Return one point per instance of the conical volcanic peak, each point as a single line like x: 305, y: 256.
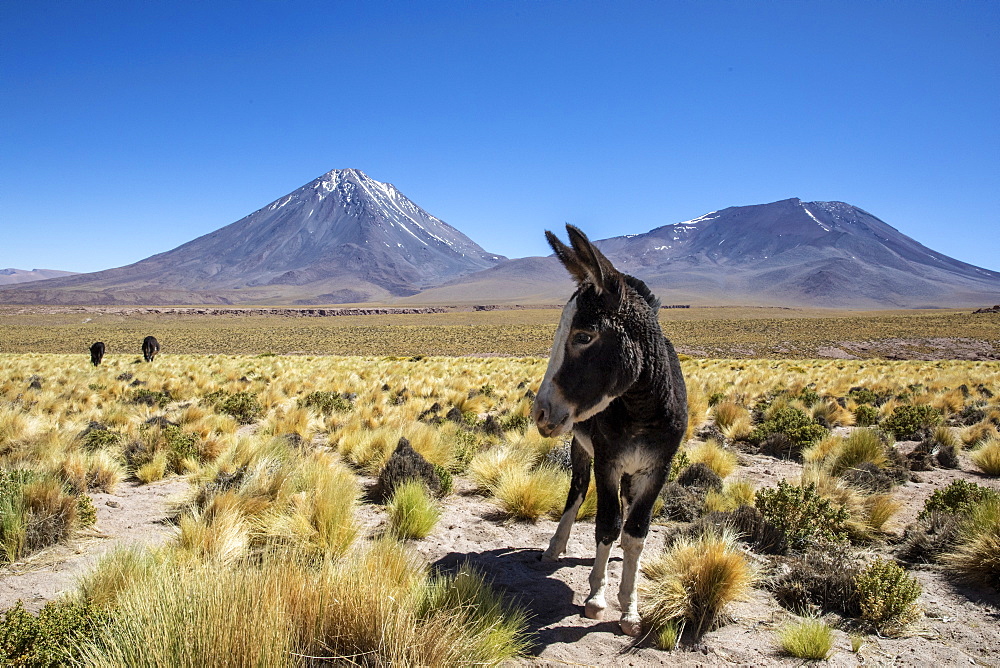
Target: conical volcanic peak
x: 342, y: 237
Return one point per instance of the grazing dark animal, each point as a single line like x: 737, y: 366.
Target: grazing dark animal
x: 616, y: 383
x: 150, y: 347
x: 97, y: 353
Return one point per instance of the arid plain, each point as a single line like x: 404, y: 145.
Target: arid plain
x: 251, y: 445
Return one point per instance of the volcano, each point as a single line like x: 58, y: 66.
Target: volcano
x: 341, y: 238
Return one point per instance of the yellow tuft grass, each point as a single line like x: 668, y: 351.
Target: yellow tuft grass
x: 694, y: 580
x: 413, y: 513
x: 487, y: 466
x: 986, y: 457
x: 810, y: 639
x: 714, y: 456
x: 529, y: 494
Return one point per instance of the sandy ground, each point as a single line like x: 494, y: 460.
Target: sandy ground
x: 134, y: 514
x: 961, y: 625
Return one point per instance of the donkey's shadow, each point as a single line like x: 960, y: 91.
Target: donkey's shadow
x: 522, y: 577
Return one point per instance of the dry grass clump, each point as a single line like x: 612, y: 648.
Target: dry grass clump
x: 262, y: 493
x: 693, y: 581
x: 710, y: 453
x: 728, y: 413
x: 733, y: 495
x: 986, y: 457
x: 381, y: 604
x: 527, y: 494
x: 810, y: 639
x: 488, y: 465
x: 861, y: 446
x: 120, y: 570
x: 979, y: 432
x: 976, y: 556
x: 413, y: 513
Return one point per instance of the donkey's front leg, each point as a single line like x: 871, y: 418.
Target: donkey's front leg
x: 609, y: 526
x: 628, y: 600
x: 577, y: 492
x: 645, y: 490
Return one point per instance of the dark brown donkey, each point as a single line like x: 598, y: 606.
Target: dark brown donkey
x: 615, y: 382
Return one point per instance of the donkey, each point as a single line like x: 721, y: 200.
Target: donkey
x: 615, y: 381
x: 150, y: 348
x: 97, y: 353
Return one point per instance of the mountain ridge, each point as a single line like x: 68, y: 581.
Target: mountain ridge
x: 344, y: 238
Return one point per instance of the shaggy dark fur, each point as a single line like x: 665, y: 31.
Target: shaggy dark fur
x: 97, y: 353
x: 615, y: 382
x: 150, y: 348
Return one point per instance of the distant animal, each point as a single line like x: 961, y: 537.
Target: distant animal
x: 150, y: 347
x: 615, y: 382
x: 97, y: 353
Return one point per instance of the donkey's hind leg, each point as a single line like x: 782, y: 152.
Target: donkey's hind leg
x: 577, y: 492
x: 644, y: 490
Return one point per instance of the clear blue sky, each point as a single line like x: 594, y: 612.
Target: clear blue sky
x: 128, y: 128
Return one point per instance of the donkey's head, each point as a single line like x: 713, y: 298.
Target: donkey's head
x: 597, y: 353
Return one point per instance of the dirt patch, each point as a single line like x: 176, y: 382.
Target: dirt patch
x: 135, y: 514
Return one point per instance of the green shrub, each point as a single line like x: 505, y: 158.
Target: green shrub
x: 150, y: 397
x: 911, y: 423
x: 801, y: 513
x: 795, y: 425
x: 808, y: 396
x: 865, y: 415
x: 680, y: 462
x: 810, y: 639
x: 242, y: 406
x: 887, y: 595
x: 182, y: 445
x: 447, y: 481
x: 46, y: 639
x: 86, y: 514
x: 515, y: 423
x: 959, y: 497
x: 326, y: 402
x: 863, y: 395
x: 97, y: 438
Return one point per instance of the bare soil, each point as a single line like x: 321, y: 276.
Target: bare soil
x: 960, y: 625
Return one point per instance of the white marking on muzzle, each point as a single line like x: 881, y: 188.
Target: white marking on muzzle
x: 550, y: 401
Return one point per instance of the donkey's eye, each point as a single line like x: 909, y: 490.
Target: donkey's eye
x: 582, y: 338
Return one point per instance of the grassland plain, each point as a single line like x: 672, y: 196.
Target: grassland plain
x: 279, y: 449
x: 734, y: 332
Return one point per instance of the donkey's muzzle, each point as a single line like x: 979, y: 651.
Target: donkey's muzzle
x: 550, y: 418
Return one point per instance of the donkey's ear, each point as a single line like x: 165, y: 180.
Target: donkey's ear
x: 602, y: 273
x: 568, y: 257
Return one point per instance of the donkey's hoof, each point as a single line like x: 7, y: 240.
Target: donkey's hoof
x: 594, y: 610
x: 631, y: 627
x: 550, y: 556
